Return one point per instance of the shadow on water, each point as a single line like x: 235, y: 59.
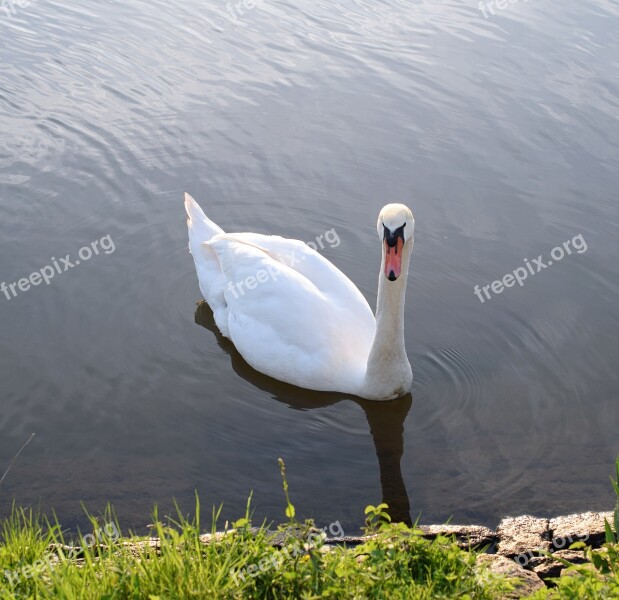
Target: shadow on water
x: 385, y: 419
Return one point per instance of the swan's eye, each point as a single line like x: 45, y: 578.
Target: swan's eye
x: 391, y: 237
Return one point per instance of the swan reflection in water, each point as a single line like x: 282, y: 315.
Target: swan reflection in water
x: 386, y: 419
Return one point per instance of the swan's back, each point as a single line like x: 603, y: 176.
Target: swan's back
x: 290, y: 312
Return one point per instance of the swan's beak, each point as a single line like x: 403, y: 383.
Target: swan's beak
x: 394, y: 246
x: 393, y: 259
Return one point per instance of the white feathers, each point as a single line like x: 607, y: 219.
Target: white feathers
x: 290, y: 312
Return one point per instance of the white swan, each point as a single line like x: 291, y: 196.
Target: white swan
x: 296, y: 317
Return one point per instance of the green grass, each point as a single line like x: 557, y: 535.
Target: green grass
x: 396, y: 562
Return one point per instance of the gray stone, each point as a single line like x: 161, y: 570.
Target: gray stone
x: 349, y: 540
x: 586, y: 527
x: 530, y: 560
x: 524, y: 536
x: 278, y: 539
x: 209, y: 538
x: 552, y: 568
x: 139, y: 547
x: 466, y: 536
x: 526, y: 582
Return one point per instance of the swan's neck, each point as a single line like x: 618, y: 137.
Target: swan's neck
x: 388, y: 372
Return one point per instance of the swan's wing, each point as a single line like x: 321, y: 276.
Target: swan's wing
x: 212, y: 284
x: 309, y: 263
x: 292, y: 314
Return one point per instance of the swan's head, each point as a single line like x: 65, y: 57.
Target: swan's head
x: 396, y: 226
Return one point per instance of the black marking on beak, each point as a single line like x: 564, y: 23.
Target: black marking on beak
x: 391, y: 237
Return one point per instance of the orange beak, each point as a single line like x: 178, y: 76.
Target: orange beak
x: 393, y: 259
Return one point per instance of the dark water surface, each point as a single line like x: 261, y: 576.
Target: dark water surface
x: 502, y: 135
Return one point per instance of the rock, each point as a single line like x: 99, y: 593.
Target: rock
x: 552, y: 568
x: 530, y: 561
x: 209, y: 538
x: 574, y: 556
x: 348, y: 540
x: 467, y: 536
x: 277, y: 539
x: 526, y: 582
x: 139, y: 547
x: 292, y: 535
x: 66, y: 550
x: 586, y: 527
x: 523, y: 537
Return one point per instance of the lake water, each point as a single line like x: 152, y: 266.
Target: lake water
x: 501, y: 132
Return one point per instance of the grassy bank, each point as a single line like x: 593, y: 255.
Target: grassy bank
x: 37, y: 561
x: 241, y: 564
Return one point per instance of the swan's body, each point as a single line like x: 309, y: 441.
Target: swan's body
x: 295, y: 317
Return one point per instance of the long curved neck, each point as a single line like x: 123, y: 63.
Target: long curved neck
x: 388, y: 369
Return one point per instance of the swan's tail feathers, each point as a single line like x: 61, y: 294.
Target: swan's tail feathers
x: 201, y: 228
